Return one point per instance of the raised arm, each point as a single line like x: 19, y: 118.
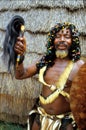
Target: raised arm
x: 20, y: 71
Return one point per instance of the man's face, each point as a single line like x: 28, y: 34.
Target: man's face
x: 63, y: 39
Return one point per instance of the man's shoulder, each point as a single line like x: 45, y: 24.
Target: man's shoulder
x: 79, y: 63
x: 76, y: 67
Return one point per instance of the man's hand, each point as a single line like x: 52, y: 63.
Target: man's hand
x: 20, y: 45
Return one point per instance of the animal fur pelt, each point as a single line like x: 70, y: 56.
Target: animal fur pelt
x: 78, y: 98
x: 12, y: 32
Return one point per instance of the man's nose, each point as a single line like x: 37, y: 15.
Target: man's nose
x: 62, y: 38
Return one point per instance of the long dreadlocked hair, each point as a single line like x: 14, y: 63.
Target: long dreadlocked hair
x: 74, y: 51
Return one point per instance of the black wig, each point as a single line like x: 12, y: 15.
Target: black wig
x: 12, y: 32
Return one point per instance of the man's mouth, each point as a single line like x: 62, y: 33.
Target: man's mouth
x: 62, y: 47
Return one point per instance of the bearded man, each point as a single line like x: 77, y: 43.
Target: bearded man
x: 57, y: 69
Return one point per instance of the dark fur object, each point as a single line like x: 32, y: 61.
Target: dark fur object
x: 78, y: 98
x: 12, y: 32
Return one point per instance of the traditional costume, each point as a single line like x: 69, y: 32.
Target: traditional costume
x: 44, y: 120
x: 53, y: 122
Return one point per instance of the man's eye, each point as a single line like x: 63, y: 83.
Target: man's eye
x: 67, y: 36
x: 57, y: 36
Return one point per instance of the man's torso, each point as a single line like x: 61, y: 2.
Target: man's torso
x: 61, y: 104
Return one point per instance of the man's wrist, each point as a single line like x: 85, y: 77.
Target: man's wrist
x: 21, y: 59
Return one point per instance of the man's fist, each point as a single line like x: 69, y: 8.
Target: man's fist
x: 20, y: 45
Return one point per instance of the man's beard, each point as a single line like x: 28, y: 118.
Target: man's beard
x: 61, y: 53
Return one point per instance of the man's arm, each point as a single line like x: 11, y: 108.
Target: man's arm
x: 22, y: 73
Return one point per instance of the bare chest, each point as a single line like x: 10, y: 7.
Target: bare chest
x: 53, y: 73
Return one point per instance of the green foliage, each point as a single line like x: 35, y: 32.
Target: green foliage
x: 11, y: 126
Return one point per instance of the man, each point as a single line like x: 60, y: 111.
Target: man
x: 56, y: 69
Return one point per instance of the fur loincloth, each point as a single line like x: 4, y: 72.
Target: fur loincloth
x: 51, y: 122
